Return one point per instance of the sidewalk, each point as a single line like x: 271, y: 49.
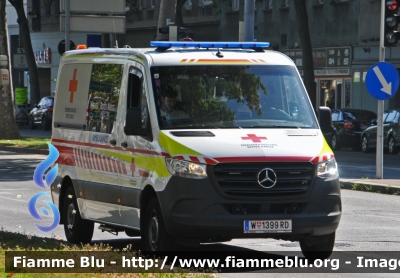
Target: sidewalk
x: 384, y: 186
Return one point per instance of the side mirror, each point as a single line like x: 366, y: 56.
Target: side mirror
x: 325, y: 119
x: 133, y: 122
x: 374, y: 122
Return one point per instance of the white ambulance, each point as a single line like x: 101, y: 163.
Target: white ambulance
x: 191, y: 142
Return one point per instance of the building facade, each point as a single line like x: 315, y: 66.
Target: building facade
x: 344, y: 35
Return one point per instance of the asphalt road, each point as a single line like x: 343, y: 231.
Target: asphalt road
x: 369, y: 221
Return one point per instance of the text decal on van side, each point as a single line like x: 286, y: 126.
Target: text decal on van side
x: 73, y: 86
x: 100, y: 138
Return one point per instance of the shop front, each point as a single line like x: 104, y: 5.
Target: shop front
x: 332, y: 75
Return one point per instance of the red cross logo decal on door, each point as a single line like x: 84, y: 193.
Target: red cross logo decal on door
x: 254, y: 138
x: 73, y: 86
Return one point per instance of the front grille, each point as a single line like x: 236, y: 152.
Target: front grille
x: 240, y: 179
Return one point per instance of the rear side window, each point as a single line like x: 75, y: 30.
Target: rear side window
x: 391, y: 117
x: 335, y: 116
x: 104, y: 89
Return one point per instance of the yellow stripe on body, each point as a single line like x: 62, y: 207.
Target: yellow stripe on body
x: 175, y: 148
x: 326, y: 149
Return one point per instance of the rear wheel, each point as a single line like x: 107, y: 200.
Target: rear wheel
x: 392, y: 149
x: 335, y: 142
x: 155, y: 234
x: 321, y: 250
x: 365, y: 144
x: 77, y: 230
x: 31, y: 123
x: 45, y: 123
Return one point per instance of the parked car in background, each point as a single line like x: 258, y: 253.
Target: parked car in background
x: 391, y: 133
x: 42, y: 114
x: 348, y: 125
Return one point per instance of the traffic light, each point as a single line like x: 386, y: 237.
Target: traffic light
x: 392, y: 21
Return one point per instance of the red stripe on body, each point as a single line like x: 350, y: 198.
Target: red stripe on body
x: 194, y: 158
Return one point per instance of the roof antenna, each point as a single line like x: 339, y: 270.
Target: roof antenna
x: 219, y: 54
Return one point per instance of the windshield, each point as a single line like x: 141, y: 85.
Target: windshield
x: 195, y: 97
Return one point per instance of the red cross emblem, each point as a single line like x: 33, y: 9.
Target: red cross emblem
x: 254, y: 138
x: 73, y: 86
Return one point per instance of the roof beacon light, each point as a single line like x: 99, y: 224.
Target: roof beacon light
x: 81, y: 46
x: 248, y: 45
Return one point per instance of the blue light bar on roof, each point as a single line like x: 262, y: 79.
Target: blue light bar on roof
x: 169, y: 44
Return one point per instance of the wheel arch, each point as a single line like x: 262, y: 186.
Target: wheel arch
x: 148, y: 193
x: 66, y: 182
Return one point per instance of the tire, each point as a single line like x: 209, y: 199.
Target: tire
x: 80, y: 231
x: 321, y: 250
x: 392, y: 149
x: 45, y: 123
x: 155, y: 234
x: 335, y: 142
x: 365, y: 144
x: 31, y: 123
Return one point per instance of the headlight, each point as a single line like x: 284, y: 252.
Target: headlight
x: 185, y: 169
x: 327, y: 168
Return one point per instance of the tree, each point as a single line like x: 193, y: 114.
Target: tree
x: 8, y: 125
x: 306, y: 49
x: 178, y: 13
x: 25, y: 37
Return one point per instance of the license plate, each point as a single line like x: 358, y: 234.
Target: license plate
x: 268, y: 226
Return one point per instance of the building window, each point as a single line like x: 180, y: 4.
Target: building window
x: 235, y: 5
x: 268, y: 5
x: 188, y: 5
x: 205, y: 3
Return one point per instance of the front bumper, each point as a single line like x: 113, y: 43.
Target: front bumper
x: 195, y: 209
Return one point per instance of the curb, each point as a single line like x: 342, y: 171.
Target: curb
x: 24, y: 150
x: 370, y: 187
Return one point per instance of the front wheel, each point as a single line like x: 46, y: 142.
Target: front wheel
x: 322, y: 250
x: 46, y: 123
x: 31, y: 123
x: 335, y: 142
x: 365, y: 144
x: 392, y: 146
x: 155, y: 234
x: 77, y: 230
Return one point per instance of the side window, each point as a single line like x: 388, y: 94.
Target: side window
x: 335, y: 116
x: 104, y: 89
x: 137, y: 95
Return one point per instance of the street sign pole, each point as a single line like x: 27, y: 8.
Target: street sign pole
x: 379, y: 138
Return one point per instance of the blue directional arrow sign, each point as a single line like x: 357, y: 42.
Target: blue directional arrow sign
x: 382, y: 80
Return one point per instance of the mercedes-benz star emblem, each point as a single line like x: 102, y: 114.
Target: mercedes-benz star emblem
x: 267, y: 178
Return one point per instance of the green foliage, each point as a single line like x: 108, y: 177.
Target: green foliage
x: 370, y: 188
x: 27, y: 142
x: 358, y: 187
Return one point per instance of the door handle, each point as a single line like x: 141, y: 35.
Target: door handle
x: 124, y: 145
x: 113, y: 142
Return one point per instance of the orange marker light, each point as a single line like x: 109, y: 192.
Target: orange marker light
x: 81, y: 46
